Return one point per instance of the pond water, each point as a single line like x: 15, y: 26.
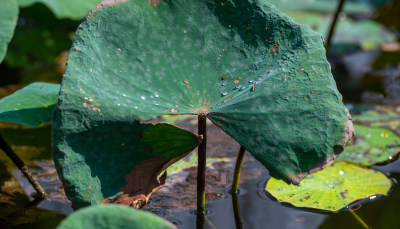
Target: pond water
x: 176, y: 201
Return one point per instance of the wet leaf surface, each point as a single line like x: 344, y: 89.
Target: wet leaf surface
x: 8, y: 21
x: 372, y: 145
x: 244, y: 74
x: 114, y: 216
x: 332, y: 189
x: 73, y: 9
x: 31, y: 106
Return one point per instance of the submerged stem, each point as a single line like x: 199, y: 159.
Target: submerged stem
x: 332, y: 29
x: 24, y: 168
x: 236, y: 211
x: 238, y: 168
x: 201, y: 166
x: 359, y: 219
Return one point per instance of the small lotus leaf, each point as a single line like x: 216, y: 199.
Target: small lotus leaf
x: 114, y: 216
x: 31, y: 105
x: 8, y: 21
x: 372, y: 145
x: 332, y: 189
x: 73, y: 9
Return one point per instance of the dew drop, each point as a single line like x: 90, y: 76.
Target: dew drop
x: 224, y: 84
x: 142, y: 97
x: 341, y: 172
x: 124, y: 95
x: 282, y: 189
x: 157, y: 96
x: 119, y: 104
x: 173, y: 110
x: 151, y: 96
x: 224, y: 93
x: 372, y: 197
x: 136, y: 107
x: 251, y: 81
x: 238, y: 86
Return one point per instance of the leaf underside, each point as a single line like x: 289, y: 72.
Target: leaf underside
x: 332, y: 189
x: 8, y: 21
x: 254, y: 72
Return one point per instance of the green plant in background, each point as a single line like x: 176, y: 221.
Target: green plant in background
x: 8, y: 21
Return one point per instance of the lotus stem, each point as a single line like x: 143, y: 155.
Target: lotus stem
x: 238, y: 168
x: 201, y: 166
x: 333, y: 25
x: 24, y: 168
x: 359, y: 219
x: 236, y: 210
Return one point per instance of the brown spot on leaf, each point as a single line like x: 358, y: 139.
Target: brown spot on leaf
x: 274, y: 48
x: 343, y: 194
x: 154, y: 2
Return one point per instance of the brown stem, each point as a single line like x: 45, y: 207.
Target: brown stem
x: 333, y: 25
x: 201, y: 165
x: 24, y: 168
x: 238, y: 168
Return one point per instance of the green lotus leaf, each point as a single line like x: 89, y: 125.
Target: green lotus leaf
x: 113, y: 216
x: 324, y: 6
x: 259, y: 76
x: 332, y: 189
x: 8, y: 21
x: 372, y: 145
x: 373, y: 115
x: 73, y: 9
x: 31, y: 105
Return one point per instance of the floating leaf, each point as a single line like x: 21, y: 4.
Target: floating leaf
x: 278, y: 98
x: 372, y: 145
x: 31, y: 105
x: 332, y: 189
x: 73, y: 9
x: 113, y: 216
x: 8, y: 21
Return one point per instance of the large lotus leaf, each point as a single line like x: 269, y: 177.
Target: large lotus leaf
x: 8, y: 21
x: 73, y: 9
x: 31, y: 105
x: 372, y: 145
x: 332, y: 189
x: 114, y: 216
x: 249, y: 68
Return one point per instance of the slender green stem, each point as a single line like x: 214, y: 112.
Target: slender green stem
x: 24, y: 168
x: 238, y: 168
x: 236, y: 211
x: 359, y: 219
x: 201, y: 166
x: 333, y: 25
